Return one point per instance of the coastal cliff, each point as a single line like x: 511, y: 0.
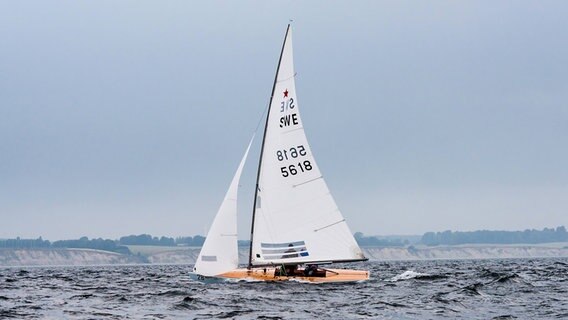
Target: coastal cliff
x: 467, y: 252
x: 185, y: 255
x: 63, y: 257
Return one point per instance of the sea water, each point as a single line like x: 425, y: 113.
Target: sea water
x: 448, y: 289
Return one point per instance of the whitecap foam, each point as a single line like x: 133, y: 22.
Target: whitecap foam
x: 408, y: 274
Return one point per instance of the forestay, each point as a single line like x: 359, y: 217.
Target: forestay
x: 296, y: 219
x: 219, y: 253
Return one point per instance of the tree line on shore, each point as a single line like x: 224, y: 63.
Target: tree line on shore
x: 533, y: 236
x: 81, y: 243
x: 119, y: 246
x: 148, y: 240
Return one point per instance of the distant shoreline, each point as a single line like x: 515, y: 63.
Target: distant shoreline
x: 187, y: 255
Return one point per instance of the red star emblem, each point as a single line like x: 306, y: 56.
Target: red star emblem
x: 286, y: 93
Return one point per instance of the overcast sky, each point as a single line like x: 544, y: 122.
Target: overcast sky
x: 129, y: 117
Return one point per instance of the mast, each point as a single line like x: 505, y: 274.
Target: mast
x: 262, y: 149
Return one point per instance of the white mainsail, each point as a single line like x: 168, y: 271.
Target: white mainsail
x: 219, y: 253
x: 296, y: 220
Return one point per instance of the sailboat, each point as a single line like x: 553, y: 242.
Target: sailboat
x: 297, y: 229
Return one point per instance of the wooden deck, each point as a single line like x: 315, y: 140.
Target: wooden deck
x: 272, y: 274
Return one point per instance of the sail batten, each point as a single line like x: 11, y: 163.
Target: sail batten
x: 329, y: 225
x: 305, y: 182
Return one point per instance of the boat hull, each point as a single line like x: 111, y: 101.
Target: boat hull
x: 272, y: 274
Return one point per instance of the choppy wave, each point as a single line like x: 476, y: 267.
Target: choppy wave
x: 473, y: 289
x: 410, y: 274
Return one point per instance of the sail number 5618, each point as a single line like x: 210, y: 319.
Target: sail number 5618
x: 295, y: 169
x: 291, y: 153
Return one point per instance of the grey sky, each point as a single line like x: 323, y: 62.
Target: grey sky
x: 128, y: 117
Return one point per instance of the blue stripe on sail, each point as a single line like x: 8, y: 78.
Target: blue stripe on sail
x: 282, y: 245
x: 285, y: 256
x: 283, y: 250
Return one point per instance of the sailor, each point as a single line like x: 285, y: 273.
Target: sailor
x: 310, y: 270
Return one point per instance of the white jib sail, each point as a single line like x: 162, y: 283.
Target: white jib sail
x: 219, y: 253
x: 296, y: 218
